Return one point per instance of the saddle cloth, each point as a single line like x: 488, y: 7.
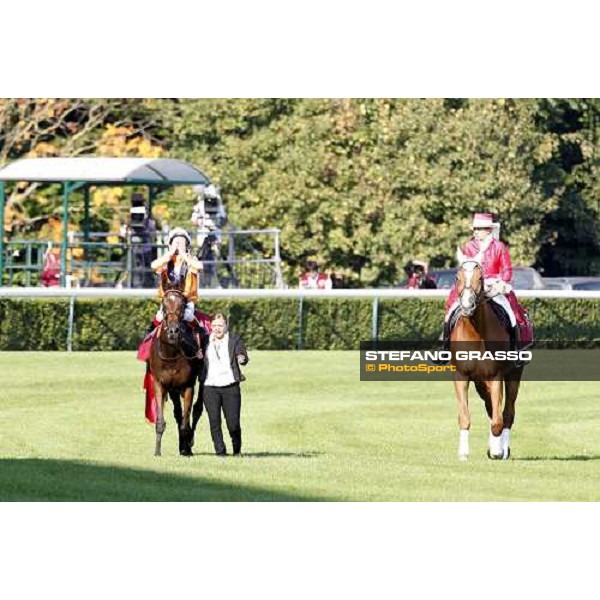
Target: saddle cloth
x: 498, y: 310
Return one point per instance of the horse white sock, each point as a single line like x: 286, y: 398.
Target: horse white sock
x: 463, y: 443
x: 505, y: 436
x: 495, y: 445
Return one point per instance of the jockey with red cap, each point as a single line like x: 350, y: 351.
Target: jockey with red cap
x: 497, y: 272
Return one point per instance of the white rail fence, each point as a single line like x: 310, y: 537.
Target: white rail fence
x: 234, y: 294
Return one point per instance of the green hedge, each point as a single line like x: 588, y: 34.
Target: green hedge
x: 277, y: 324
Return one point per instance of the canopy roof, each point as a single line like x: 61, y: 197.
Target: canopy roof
x: 144, y: 171
x: 76, y: 172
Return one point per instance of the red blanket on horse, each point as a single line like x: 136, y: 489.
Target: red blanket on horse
x: 144, y: 355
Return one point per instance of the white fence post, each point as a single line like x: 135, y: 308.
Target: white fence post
x: 70, y: 324
x: 375, y: 319
x: 299, y: 341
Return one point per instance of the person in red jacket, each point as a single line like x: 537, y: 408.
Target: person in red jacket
x: 418, y: 277
x: 497, y: 273
x: 51, y: 270
x: 313, y: 280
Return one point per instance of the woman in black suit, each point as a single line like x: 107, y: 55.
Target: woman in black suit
x: 221, y: 377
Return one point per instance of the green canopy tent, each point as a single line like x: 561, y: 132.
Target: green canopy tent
x: 83, y: 173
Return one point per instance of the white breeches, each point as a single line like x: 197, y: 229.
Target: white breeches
x: 188, y: 314
x: 500, y: 299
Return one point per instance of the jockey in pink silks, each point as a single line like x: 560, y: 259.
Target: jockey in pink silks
x: 497, y: 272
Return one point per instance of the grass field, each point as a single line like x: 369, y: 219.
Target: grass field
x: 73, y: 429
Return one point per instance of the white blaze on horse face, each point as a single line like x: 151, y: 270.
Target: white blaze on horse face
x: 468, y: 275
x: 467, y: 296
x: 170, y: 303
x: 467, y: 300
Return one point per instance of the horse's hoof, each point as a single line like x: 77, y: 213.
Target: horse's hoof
x: 463, y: 457
x: 157, y: 454
x: 493, y: 456
x: 186, y: 453
x: 506, y: 455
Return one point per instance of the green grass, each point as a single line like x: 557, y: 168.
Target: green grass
x: 73, y: 429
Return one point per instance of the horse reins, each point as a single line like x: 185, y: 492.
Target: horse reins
x: 478, y: 293
x: 173, y: 359
x: 480, y: 297
x: 179, y: 315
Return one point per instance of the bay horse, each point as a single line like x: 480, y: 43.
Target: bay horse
x: 479, y: 328
x: 174, y: 372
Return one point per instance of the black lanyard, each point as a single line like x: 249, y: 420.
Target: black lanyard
x: 217, y: 346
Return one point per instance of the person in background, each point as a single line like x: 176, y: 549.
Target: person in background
x: 221, y: 376
x: 209, y: 217
x: 51, y: 269
x: 313, y: 280
x: 419, y: 279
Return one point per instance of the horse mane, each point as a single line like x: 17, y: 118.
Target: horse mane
x: 168, y: 285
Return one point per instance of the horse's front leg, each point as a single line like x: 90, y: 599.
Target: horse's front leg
x: 461, y: 387
x: 185, y: 429
x: 159, y: 395
x: 496, y: 392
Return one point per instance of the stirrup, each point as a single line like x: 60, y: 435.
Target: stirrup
x: 514, y: 342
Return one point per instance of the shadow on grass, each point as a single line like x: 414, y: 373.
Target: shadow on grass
x: 267, y: 454
x: 574, y: 457
x: 57, y: 481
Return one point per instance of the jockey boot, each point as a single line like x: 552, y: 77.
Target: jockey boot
x: 445, y: 339
x: 514, y: 345
x: 445, y: 336
x: 514, y: 338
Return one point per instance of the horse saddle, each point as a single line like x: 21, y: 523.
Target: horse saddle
x: 498, y: 310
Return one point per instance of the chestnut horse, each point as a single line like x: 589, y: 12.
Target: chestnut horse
x: 174, y: 372
x: 479, y: 328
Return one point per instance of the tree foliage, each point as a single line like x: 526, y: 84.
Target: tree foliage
x: 364, y: 185
x: 46, y: 127
x: 361, y: 185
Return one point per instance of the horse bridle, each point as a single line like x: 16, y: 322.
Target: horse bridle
x: 179, y: 315
x: 478, y: 293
